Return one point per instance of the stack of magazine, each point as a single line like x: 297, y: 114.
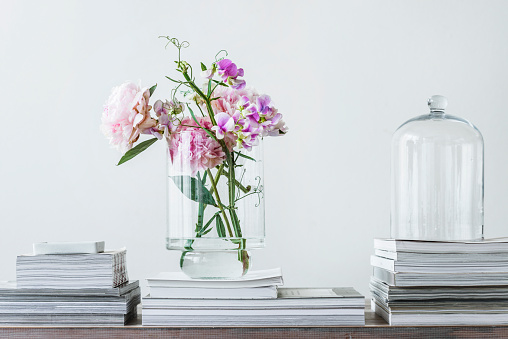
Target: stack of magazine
x: 89, y: 270
x: 70, y: 289
x: 440, y: 282
x: 253, y: 300
x: 76, y: 306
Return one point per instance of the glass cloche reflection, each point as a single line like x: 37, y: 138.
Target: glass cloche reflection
x: 437, y: 177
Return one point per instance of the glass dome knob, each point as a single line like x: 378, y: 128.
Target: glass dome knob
x: 437, y: 103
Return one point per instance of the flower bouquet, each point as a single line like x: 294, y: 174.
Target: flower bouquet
x: 214, y: 136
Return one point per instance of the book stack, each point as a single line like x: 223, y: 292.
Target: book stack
x: 253, y: 300
x: 70, y: 289
x: 440, y: 282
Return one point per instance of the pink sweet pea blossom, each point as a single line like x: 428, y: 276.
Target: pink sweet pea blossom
x: 254, y: 115
x: 264, y: 105
x: 225, y: 123
x: 166, y: 113
x: 208, y: 74
x: 279, y: 128
x: 230, y: 73
x: 237, y: 83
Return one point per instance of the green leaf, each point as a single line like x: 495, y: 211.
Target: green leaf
x: 207, y: 231
x: 204, y: 230
x: 212, y: 99
x: 193, y: 116
x: 193, y: 189
x: 210, y: 134
x: 136, y: 150
x: 210, y: 221
x: 173, y: 80
x: 219, y: 224
x: 220, y: 83
x: 203, y: 67
x: 152, y: 89
x: 204, y: 178
x: 209, y: 89
x: 245, y: 156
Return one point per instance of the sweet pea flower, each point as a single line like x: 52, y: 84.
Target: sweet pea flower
x: 159, y: 108
x: 168, y: 107
x: 268, y: 125
x: 253, y: 117
x: 249, y: 134
x: 264, y: 105
x: 247, y: 142
x: 244, y: 103
x: 225, y: 123
x: 237, y: 83
x: 208, y: 74
x: 278, y: 129
x: 236, y: 118
x: 167, y: 125
x: 253, y: 114
x: 230, y: 73
x: 167, y: 112
x: 227, y: 69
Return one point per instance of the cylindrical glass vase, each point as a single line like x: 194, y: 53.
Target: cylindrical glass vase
x: 437, y: 177
x: 215, y: 216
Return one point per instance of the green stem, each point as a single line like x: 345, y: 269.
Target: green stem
x: 219, y: 172
x: 219, y: 202
x: 231, y: 179
x: 213, y: 90
x: 238, y: 184
x: 231, y: 164
x: 203, y: 114
x: 202, y: 95
x: 201, y: 209
x: 231, y: 175
x: 246, y: 195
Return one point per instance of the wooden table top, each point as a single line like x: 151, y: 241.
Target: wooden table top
x: 375, y: 327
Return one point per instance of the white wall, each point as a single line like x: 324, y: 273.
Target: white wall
x: 345, y: 74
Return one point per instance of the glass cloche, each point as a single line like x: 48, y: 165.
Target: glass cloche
x: 437, y: 177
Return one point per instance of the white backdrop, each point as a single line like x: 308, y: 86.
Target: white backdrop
x: 345, y: 74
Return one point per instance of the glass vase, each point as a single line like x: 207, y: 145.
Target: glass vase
x: 437, y: 177
x: 216, y: 216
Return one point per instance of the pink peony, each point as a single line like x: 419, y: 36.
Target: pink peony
x: 191, y: 149
x: 125, y: 115
x: 143, y: 122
